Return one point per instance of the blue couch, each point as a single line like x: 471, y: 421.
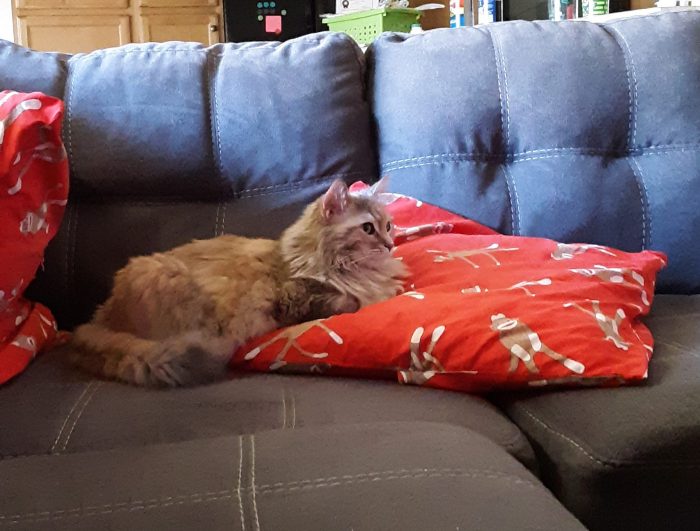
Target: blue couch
x: 574, y: 131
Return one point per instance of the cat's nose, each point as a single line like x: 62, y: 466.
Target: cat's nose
x: 386, y: 241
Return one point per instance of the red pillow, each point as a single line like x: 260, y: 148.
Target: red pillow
x: 33, y: 193
x: 482, y: 312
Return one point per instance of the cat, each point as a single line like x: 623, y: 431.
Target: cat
x: 175, y: 318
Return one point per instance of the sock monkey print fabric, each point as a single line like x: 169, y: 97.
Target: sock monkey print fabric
x: 482, y: 311
x: 33, y: 193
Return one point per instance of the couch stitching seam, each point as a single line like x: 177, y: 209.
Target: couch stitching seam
x: 505, y: 87
x: 673, y: 317
x: 284, y: 409
x: 69, y: 114
x: 635, y: 85
x: 633, y: 95
x: 69, y: 226
x: 331, y: 481
x: 559, y: 150
x: 466, y: 157
x: 118, y: 52
x: 565, y: 438
x: 391, y: 473
x: 683, y: 350
x: 216, y: 219
x: 644, y: 194
x: 214, y: 131
x: 238, y: 489
x: 136, y: 505
x: 514, y: 442
x: 288, y: 410
x: 501, y: 99
x: 641, y: 201
x: 301, y: 182
x: 224, y: 206
x: 416, y: 475
x: 291, y: 186
x: 71, y: 242
x: 510, y: 200
x: 214, y: 118
x: 659, y: 465
x: 246, y: 193
x: 515, y: 212
x: 651, y: 15
x: 87, y: 400
x: 65, y: 421
x: 74, y: 243
x: 631, y: 84
x: 252, y: 482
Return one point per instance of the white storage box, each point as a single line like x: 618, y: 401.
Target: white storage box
x: 348, y: 6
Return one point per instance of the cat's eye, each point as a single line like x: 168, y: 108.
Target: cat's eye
x: 368, y: 227
x: 388, y: 226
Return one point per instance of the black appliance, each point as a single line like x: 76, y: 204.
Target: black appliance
x: 273, y: 20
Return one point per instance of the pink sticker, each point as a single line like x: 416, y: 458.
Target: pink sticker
x: 273, y: 24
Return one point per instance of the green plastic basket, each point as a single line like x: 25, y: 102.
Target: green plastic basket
x: 365, y: 26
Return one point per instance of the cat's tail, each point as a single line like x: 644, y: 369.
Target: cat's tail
x: 186, y: 359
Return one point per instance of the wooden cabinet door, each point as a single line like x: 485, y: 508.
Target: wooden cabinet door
x: 53, y: 4
x: 179, y: 3
x: 204, y: 28
x: 73, y: 33
x: 641, y: 4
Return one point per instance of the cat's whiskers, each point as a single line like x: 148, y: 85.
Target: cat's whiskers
x: 372, y: 253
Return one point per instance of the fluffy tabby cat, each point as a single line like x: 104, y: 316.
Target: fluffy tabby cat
x: 175, y: 318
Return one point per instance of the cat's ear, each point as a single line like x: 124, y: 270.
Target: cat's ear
x: 380, y: 187
x: 335, y: 200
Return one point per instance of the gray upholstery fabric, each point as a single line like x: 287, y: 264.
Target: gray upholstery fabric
x: 403, y: 476
x: 56, y: 409
x: 628, y: 458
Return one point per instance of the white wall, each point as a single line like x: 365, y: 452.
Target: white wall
x: 6, y: 20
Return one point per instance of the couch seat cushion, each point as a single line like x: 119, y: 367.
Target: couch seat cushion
x: 56, y: 409
x: 629, y: 457
x: 407, y: 476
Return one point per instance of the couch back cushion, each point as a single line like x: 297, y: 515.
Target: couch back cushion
x: 169, y: 142
x: 577, y: 132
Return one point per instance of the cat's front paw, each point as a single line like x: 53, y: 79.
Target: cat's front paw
x: 345, y: 304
